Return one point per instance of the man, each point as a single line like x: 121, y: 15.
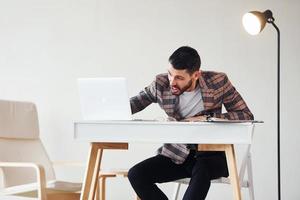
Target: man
x: 190, y: 94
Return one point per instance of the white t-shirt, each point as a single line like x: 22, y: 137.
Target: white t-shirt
x: 190, y: 103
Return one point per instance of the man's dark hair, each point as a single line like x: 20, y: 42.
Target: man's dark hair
x: 185, y: 58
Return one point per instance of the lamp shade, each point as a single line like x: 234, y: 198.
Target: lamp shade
x: 255, y: 21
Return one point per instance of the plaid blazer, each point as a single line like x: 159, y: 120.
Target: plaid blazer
x: 216, y: 90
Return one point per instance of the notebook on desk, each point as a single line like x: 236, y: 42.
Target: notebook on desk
x: 219, y: 120
x: 104, y: 99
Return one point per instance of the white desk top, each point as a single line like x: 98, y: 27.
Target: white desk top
x: 164, y: 132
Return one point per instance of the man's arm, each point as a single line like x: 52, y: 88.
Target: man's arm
x: 236, y: 107
x: 144, y: 98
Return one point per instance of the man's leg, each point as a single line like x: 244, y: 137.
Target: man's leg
x: 206, y: 168
x: 157, y: 169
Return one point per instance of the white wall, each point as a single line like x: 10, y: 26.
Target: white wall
x: 46, y: 45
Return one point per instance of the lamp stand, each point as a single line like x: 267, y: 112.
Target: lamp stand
x: 278, y: 107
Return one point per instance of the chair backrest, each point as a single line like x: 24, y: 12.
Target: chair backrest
x: 20, y: 142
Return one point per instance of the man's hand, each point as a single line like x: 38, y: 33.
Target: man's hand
x: 201, y: 118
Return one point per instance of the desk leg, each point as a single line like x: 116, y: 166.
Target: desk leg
x: 92, y: 172
x: 233, y: 175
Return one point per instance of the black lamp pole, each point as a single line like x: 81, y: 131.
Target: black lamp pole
x: 271, y: 20
x: 278, y: 107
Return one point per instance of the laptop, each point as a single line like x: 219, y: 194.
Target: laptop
x: 104, y: 98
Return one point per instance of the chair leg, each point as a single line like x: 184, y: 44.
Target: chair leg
x: 102, y: 187
x: 250, y: 179
x: 97, y: 192
x: 176, y: 191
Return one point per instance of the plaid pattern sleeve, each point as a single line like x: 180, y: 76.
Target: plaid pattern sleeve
x: 177, y: 152
x: 144, y: 98
x: 236, y: 107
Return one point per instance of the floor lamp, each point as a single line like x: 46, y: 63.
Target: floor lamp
x: 254, y: 22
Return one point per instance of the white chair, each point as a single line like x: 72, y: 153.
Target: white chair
x: 246, y: 165
x: 26, y: 169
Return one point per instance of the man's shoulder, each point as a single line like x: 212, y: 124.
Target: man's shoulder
x: 213, y: 76
x: 162, y: 80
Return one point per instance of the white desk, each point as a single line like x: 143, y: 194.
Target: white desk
x: 117, y: 134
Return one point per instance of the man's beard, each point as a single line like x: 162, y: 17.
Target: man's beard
x: 178, y: 91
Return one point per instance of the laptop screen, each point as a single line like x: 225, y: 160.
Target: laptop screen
x: 104, y: 99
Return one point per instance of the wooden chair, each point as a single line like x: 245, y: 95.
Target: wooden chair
x: 246, y: 165
x: 24, y: 164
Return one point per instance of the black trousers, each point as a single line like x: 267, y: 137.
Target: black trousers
x: 201, y: 167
